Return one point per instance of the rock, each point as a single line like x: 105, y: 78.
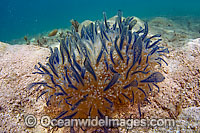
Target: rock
x: 179, y: 91
x: 85, y: 23
x: 111, y: 21
x: 189, y: 119
x: 172, y: 32
x: 3, y: 47
x: 17, y: 64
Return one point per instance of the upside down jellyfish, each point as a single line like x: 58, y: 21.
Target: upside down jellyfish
x: 101, y: 69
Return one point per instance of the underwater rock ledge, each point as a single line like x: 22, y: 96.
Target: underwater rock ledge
x: 179, y: 90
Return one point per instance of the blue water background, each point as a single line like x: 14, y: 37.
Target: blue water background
x: 30, y: 17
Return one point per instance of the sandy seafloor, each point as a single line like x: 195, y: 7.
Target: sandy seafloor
x: 179, y: 96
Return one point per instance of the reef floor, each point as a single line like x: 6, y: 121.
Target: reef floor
x: 179, y: 96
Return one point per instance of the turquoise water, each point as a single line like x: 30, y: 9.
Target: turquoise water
x: 21, y: 17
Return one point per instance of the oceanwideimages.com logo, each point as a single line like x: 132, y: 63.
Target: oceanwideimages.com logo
x: 46, y: 121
